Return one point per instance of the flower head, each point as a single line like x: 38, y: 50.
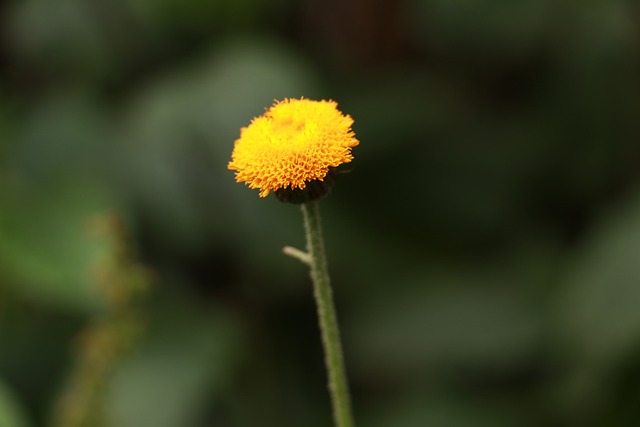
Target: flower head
x: 294, y: 143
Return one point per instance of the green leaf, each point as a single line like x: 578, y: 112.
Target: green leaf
x: 47, y: 249
x: 182, y: 368
x: 478, y: 320
x: 11, y: 412
x: 598, y: 315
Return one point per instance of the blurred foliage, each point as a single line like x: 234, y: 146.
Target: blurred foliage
x: 108, y: 336
x: 483, y: 249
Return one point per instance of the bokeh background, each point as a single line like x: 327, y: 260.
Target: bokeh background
x: 484, y: 248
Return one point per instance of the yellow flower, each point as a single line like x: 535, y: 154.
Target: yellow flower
x: 295, y: 142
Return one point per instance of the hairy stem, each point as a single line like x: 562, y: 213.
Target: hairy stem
x: 338, y: 386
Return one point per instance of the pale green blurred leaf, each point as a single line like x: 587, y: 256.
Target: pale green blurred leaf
x: 182, y: 368
x: 11, y: 412
x: 65, y: 138
x: 180, y: 131
x: 47, y: 249
x: 598, y: 308
x: 217, y: 96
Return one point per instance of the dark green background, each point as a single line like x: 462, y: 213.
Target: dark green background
x: 484, y: 249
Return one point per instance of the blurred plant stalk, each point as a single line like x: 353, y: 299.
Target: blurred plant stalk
x: 108, y: 336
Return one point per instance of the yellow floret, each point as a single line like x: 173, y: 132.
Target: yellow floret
x: 294, y: 142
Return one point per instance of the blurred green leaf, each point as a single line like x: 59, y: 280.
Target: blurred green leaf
x: 179, y: 135
x: 418, y: 410
x: 64, y: 38
x: 66, y: 137
x: 182, y: 369
x: 597, y: 313
x: 11, y: 412
x: 478, y: 320
x: 47, y: 249
x: 222, y: 92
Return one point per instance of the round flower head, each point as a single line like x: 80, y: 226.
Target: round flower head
x: 293, y: 146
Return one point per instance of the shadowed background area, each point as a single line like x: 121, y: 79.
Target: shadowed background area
x: 484, y: 248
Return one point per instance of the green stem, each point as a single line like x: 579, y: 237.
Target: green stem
x: 338, y: 386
